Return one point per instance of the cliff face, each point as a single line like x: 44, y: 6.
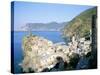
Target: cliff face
x: 81, y: 24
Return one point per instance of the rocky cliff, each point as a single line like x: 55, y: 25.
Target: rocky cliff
x: 40, y: 53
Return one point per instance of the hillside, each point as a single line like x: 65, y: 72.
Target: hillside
x: 81, y: 24
x: 51, y: 26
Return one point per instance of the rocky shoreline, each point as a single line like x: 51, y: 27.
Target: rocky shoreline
x: 41, y: 54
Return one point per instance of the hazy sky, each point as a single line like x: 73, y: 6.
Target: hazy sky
x: 25, y: 12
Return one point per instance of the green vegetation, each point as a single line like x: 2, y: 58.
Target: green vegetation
x: 81, y: 24
x: 73, y: 62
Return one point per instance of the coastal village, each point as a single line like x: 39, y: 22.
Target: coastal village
x: 48, y: 37
x: 43, y: 55
x: 40, y: 53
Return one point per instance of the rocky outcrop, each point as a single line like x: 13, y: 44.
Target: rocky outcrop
x: 40, y: 53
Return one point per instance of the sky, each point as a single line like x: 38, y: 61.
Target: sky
x: 30, y: 12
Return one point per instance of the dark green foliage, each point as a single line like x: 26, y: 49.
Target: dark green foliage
x: 81, y: 24
x: 74, y: 60
x: 93, y: 60
x: 88, y: 54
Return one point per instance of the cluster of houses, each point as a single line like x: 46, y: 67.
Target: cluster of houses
x: 40, y: 53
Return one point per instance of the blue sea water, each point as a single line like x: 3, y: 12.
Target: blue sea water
x: 54, y: 36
